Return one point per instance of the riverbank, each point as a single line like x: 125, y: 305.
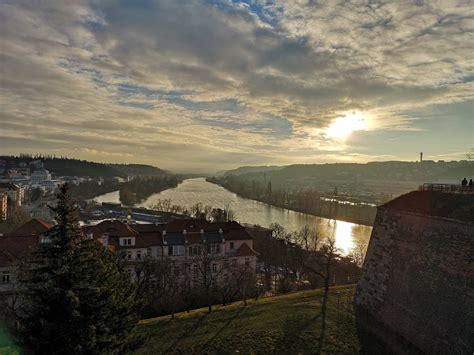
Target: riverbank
x: 333, y: 210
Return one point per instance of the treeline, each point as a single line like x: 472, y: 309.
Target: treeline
x: 166, y: 286
x: 308, y: 201
x: 89, y: 189
x: 139, y: 189
x: 65, y: 166
x: 284, y: 259
x: 198, y: 211
x: 131, y: 192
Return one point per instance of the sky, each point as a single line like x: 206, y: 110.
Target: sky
x: 202, y: 86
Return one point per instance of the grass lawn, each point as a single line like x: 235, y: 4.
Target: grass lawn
x: 283, y: 324
x: 6, y: 344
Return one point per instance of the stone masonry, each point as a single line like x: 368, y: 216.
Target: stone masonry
x: 416, y: 293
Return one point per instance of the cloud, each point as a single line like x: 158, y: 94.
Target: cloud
x: 213, y: 84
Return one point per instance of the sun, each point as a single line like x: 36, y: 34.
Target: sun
x: 342, y: 127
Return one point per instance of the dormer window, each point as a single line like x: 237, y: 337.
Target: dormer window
x: 45, y: 239
x: 5, y: 277
x: 127, y: 241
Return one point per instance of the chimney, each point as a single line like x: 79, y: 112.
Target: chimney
x: 421, y: 157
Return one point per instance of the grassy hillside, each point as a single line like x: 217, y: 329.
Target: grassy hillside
x: 283, y: 324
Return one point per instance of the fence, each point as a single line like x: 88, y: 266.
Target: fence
x: 451, y: 188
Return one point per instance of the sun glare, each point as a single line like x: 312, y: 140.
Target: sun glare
x: 343, y: 126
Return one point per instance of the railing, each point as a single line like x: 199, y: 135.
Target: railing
x: 452, y: 188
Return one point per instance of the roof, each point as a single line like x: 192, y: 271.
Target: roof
x: 16, y: 248
x: 94, y: 230
x: 234, y: 234
x: 435, y: 203
x: 190, y: 225
x: 245, y: 250
x: 117, y: 229
x: 34, y: 226
x: 174, y: 239
x: 9, y: 185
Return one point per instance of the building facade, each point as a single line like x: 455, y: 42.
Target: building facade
x: 187, y: 243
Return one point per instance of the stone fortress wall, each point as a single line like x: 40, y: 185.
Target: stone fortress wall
x: 416, y: 293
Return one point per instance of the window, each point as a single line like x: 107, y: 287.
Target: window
x: 234, y: 262
x: 129, y: 254
x: 139, y: 254
x: 247, y: 262
x: 170, y: 250
x: 214, y: 248
x: 214, y: 267
x: 194, y: 250
x: 231, y: 245
x: 126, y: 241
x: 148, y: 251
x: 6, y: 277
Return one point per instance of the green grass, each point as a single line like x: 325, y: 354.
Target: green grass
x: 283, y: 324
x: 6, y: 344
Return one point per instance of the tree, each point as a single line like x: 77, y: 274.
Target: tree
x: 320, y: 262
x: 207, y: 271
x: 76, y: 298
x: 127, y: 197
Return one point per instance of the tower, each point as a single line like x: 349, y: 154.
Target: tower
x: 421, y: 157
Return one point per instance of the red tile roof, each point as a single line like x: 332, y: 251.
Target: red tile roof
x: 117, y: 229
x: 35, y: 226
x: 245, y: 250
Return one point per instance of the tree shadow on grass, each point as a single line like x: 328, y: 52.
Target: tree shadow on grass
x: 293, y: 328
x: 187, y: 333
x: 235, y: 315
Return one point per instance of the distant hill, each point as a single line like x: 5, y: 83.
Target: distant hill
x: 314, y: 175
x: 250, y: 169
x: 139, y: 169
x: 76, y: 167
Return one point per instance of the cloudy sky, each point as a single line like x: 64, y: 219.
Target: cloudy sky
x: 193, y: 85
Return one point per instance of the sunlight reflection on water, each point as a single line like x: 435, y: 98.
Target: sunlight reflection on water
x: 192, y: 191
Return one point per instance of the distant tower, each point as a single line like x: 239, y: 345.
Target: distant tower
x: 421, y: 157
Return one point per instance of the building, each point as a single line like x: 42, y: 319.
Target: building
x: 416, y: 290
x: 40, y: 176
x: 184, y: 242
x: 16, y: 193
x: 181, y: 241
x: 3, y: 206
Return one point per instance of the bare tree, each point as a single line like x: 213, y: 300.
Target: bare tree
x: 207, y: 269
x: 245, y: 279
x: 320, y: 262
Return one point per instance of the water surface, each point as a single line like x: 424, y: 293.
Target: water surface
x: 192, y: 191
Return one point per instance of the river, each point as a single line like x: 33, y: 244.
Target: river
x: 192, y: 191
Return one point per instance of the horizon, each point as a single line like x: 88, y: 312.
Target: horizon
x: 204, y: 86
x: 211, y: 172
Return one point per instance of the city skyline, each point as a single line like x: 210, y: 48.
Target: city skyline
x: 201, y: 86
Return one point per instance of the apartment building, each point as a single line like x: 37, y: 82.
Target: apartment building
x: 186, y: 242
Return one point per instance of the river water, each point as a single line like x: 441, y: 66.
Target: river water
x: 192, y: 191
